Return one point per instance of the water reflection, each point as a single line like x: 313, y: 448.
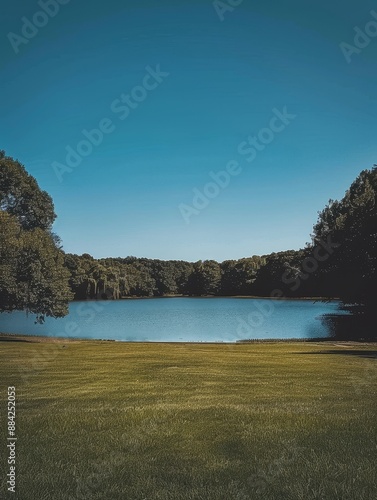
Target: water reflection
x: 354, y: 326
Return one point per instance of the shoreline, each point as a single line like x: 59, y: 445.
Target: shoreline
x: 322, y: 299
x: 40, y: 339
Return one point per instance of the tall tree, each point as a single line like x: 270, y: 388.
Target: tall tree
x: 352, y: 224
x: 32, y: 272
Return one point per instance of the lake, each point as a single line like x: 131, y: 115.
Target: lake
x: 182, y: 320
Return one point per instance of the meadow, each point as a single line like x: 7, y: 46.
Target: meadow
x: 143, y: 421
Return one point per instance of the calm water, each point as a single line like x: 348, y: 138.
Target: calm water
x: 182, y: 320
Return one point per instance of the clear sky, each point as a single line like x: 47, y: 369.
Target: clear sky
x: 221, y: 82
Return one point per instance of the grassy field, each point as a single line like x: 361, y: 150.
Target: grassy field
x: 124, y: 421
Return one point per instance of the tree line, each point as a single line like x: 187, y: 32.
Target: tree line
x: 116, y: 278
x: 38, y: 276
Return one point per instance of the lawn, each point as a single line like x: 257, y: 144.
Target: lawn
x: 139, y: 421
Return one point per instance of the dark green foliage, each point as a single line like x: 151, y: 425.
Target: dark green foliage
x: 32, y: 272
x: 10, y: 246
x: 205, y: 279
x: 21, y: 196
x: 114, y: 278
x: 352, y: 224
x: 293, y: 273
x: 279, y: 273
x: 238, y: 276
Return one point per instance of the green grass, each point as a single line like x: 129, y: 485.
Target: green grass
x: 125, y: 421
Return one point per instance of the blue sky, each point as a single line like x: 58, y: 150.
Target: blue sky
x: 224, y: 80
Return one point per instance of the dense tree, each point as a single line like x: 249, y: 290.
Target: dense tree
x: 282, y: 271
x: 238, y: 276
x: 352, y: 224
x: 205, y: 278
x: 32, y: 272
x: 126, y: 277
